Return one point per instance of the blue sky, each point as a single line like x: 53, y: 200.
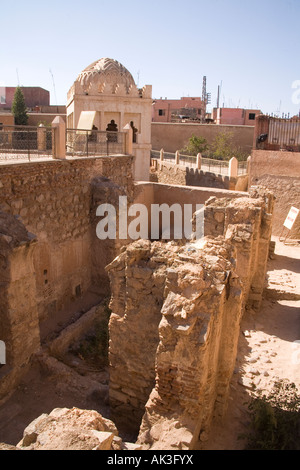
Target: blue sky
x: 250, y: 47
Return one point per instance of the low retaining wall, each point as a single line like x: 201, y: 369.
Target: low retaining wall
x: 170, y: 173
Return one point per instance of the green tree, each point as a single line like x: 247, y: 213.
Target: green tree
x: 19, y: 109
x: 224, y: 148
x: 195, y: 145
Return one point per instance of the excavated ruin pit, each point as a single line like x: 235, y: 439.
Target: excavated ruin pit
x: 173, y: 358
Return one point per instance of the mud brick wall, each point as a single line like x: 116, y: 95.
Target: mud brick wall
x: 19, y: 326
x: 137, y: 282
x: 54, y: 200
x: 169, y: 173
x: 181, y: 334
x: 250, y: 220
x: 279, y: 172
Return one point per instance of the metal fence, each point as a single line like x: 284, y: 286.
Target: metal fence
x: 284, y: 132
x: 219, y: 167
x: 26, y: 143
x: 84, y: 143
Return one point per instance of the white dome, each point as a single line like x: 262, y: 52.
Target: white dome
x: 106, y: 71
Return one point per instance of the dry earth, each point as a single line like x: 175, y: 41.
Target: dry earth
x: 267, y: 352
x: 267, y: 349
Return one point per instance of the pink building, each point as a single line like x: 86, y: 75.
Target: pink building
x: 164, y: 110
x: 235, y: 116
x: 34, y: 96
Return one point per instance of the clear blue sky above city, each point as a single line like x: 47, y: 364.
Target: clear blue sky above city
x: 250, y: 48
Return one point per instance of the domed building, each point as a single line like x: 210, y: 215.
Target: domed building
x: 105, y: 97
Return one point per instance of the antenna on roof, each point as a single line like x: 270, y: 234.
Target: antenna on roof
x: 53, y: 86
x: 138, y: 78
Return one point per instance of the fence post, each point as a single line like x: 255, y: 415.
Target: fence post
x: 59, y: 130
x: 248, y: 164
x: 199, y: 159
x: 233, y: 168
x: 41, y: 137
x: 129, y: 139
x: 177, y: 157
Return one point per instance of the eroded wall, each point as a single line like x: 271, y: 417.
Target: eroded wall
x: 175, y: 323
x: 54, y: 200
x: 169, y: 173
x: 279, y: 171
x: 53, y: 203
x: 19, y: 325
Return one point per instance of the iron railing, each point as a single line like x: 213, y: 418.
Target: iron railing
x: 26, y: 142
x: 84, y: 143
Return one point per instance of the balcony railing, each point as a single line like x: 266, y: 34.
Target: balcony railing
x: 84, y: 143
x: 26, y: 142
x: 219, y: 167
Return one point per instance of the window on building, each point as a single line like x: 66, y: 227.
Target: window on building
x: 161, y: 112
x: 251, y: 116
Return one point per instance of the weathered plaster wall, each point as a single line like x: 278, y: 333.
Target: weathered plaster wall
x: 278, y: 171
x: 172, y: 136
x: 168, y: 173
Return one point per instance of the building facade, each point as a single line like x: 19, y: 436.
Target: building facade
x: 235, y: 116
x: 164, y: 110
x: 105, y: 93
x: 34, y: 96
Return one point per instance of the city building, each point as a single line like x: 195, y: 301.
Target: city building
x: 187, y: 108
x: 235, y: 116
x: 34, y: 96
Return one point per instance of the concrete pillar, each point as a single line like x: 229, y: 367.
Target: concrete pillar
x: 177, y: 158
x: 261, y: 127
x: 199, y: 160
x: 129, y: 135
x: 248, y: 164
x: 59, y: 144
x: 233, y: 168
x: 42, y: 137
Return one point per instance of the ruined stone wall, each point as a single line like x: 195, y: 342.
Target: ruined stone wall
x: 135, y: 274
x: 168, y: 173
x: 279, y: 171
x: 175, y: 322
x: 19, y: 326
x: 54, y: 201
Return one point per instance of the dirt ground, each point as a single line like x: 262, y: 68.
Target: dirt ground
x: 267, y: 351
